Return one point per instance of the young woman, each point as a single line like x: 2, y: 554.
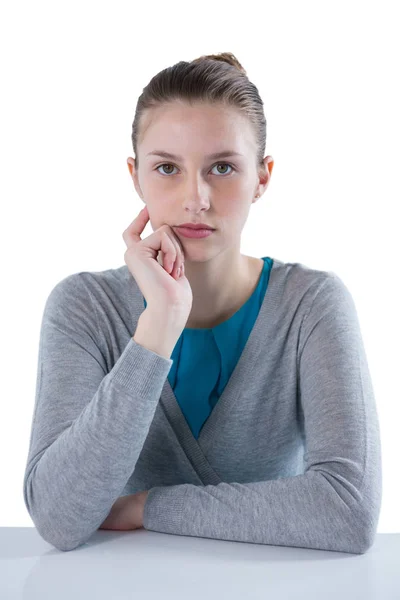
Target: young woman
x: 196, y: 390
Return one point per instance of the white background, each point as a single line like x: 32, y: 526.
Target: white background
x: 71, y: 74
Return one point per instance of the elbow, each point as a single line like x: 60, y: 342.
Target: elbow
x: 350, y: 539
x: 357, y: 522
x: 364, y: 546
x: 366, y: 518
x: 364, y: 528
x: 367, y: 538
x: 53, y: 533
x: 49, y: 527
x: 59, y: 541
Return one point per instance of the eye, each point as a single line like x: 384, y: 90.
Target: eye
x: 170, y: 165
x: 225, y: 165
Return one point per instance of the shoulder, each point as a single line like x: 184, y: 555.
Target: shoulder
x: 301, y: 284
x: 96, y: 299
x: 83, y: 284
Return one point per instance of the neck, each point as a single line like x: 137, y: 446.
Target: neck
x: 220, y: 287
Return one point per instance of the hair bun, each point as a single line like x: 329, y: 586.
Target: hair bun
x: 227, y: 57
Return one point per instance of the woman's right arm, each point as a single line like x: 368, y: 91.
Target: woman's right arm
x: 88, y: 425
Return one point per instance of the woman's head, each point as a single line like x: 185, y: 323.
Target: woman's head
x: 192, y: 111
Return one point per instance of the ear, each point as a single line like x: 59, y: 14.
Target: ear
x: 265, y: 176
x: 132, y: 170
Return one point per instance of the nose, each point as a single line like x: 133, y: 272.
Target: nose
x: 196, y: 199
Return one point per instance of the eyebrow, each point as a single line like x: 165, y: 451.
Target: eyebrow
x: 171, y: 156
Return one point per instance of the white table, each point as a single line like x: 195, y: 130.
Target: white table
x: 144, y: 564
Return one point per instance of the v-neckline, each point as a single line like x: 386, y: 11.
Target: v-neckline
x: 197, y: 449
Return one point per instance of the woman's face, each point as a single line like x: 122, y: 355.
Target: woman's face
x: 194, y: 187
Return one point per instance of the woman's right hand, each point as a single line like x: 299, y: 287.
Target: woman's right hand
x: 162, y: 286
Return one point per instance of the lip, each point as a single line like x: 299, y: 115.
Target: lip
x: 189, y: 232
x: 195, y: 226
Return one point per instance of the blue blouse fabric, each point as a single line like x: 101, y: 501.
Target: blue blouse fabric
x: 204, y: 359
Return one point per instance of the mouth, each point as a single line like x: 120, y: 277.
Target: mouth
x: 195, y: 226
x: 194, y: 232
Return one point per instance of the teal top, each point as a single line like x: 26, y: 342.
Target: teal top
x: 204, y: 359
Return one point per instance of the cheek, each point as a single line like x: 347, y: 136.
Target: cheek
x: 233, y: 208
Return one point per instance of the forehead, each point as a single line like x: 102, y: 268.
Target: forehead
x: 207, y: 127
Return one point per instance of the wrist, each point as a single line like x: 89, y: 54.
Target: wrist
x: 143, y: 498
x: 158, y: 335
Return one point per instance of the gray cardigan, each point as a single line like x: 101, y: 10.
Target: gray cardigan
x: 289, y: 456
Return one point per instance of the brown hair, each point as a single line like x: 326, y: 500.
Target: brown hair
x: 214, y: 78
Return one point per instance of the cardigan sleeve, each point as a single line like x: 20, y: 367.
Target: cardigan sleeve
x: 335, y: 504
x: 89, y: 422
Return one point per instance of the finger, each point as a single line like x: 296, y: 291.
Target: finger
x: 174, y: 260
x: 132, y: 233
x: 169, y: 251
